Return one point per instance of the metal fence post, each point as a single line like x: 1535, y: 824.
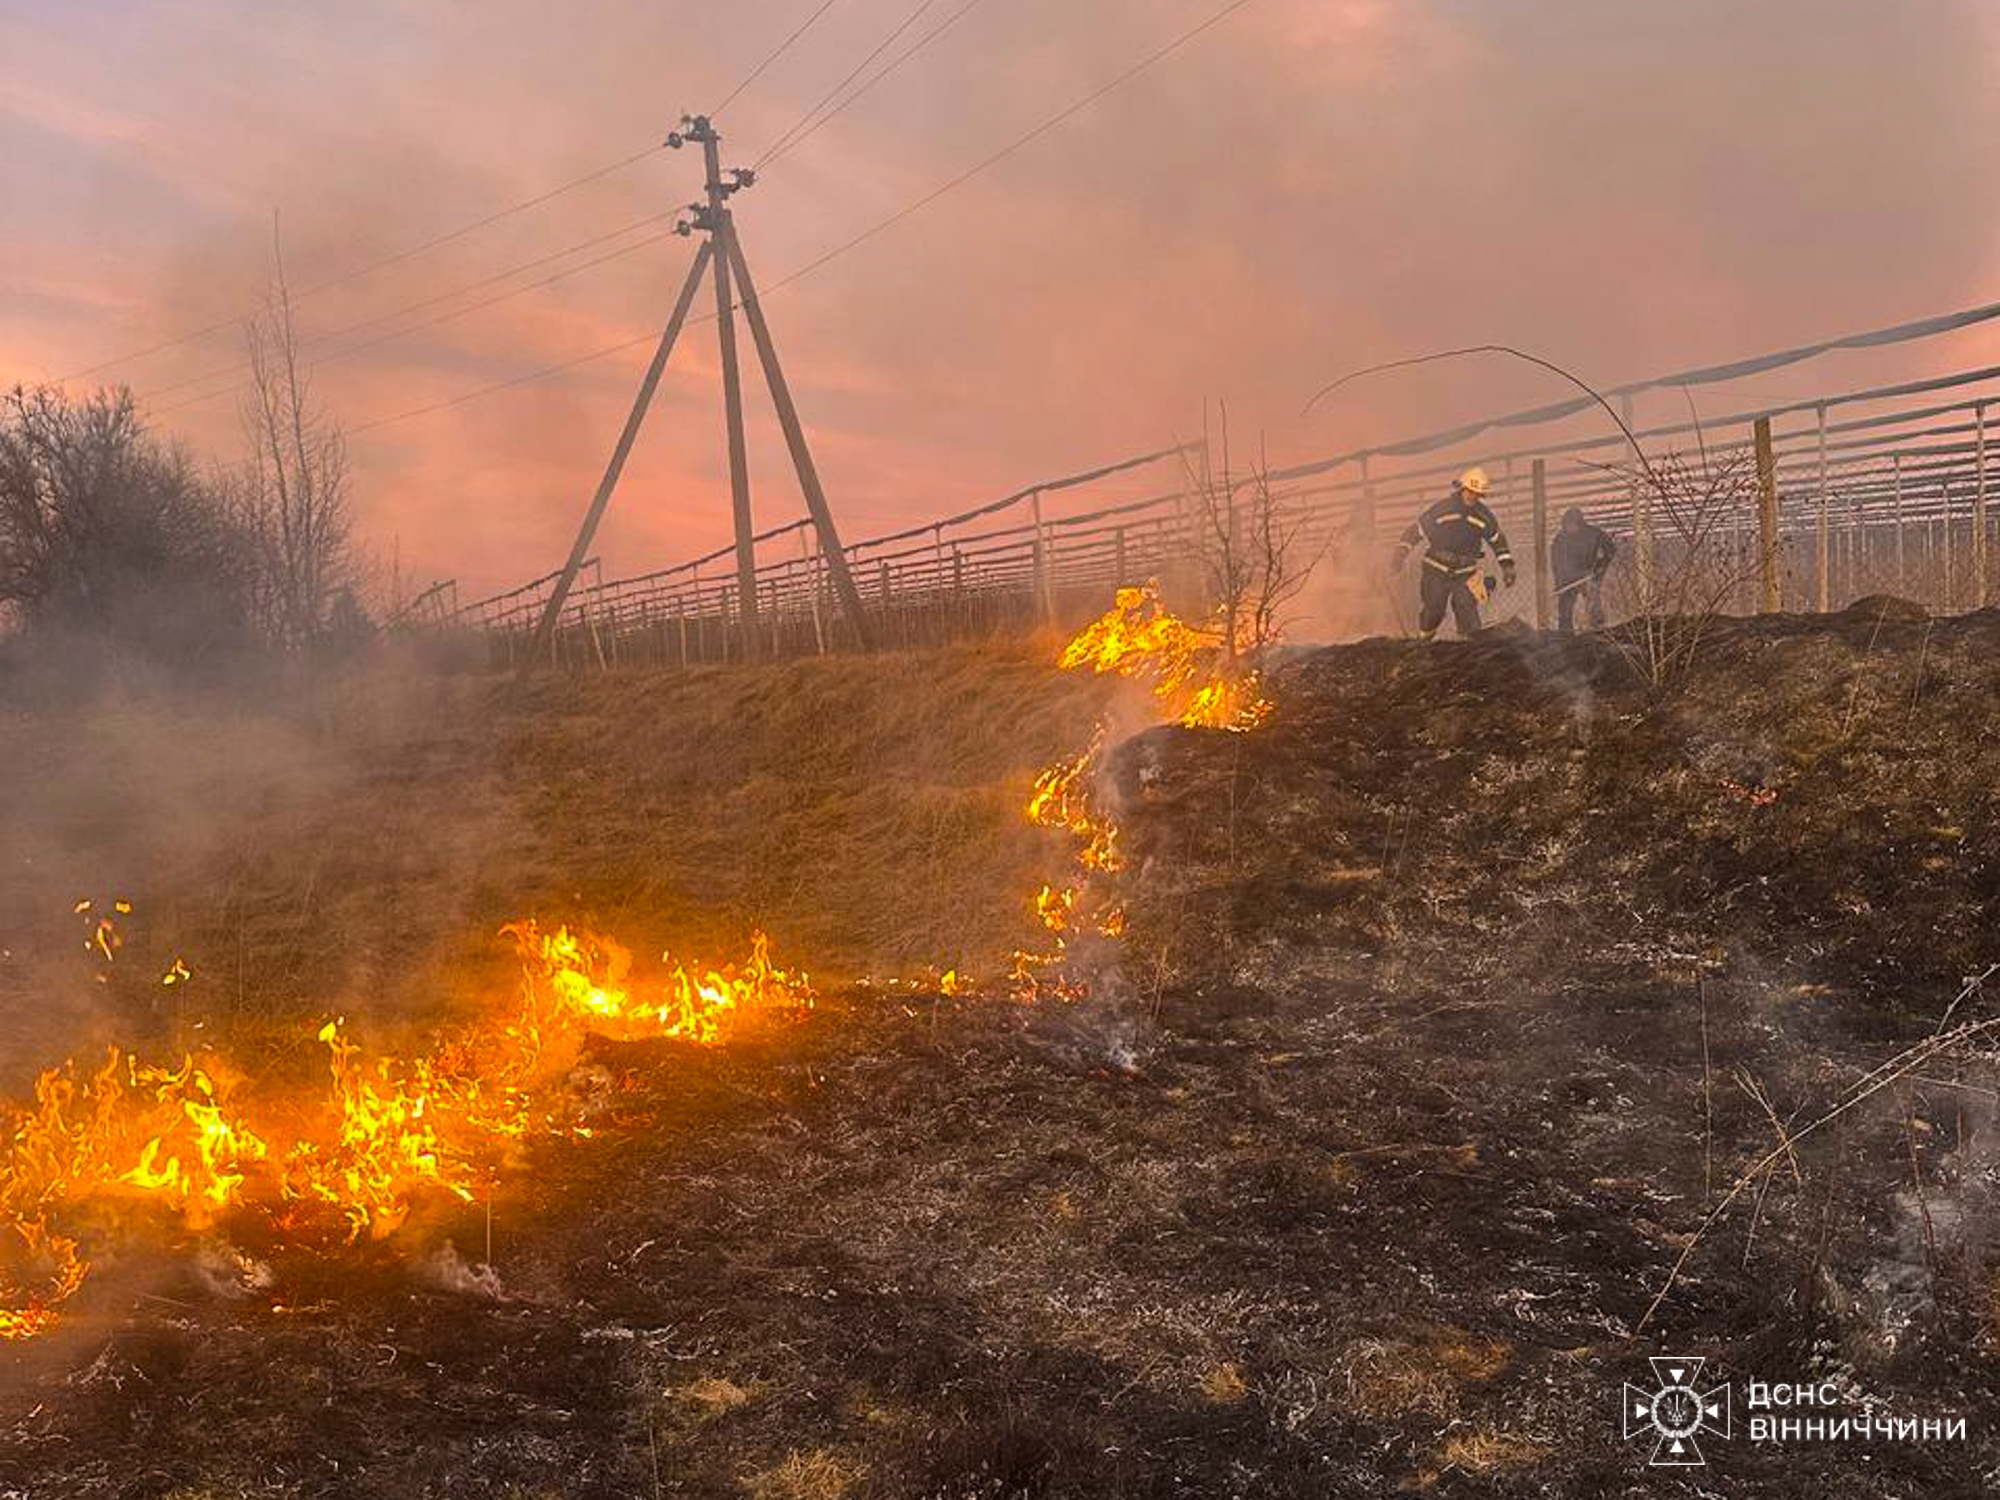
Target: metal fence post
x: 1950, y: 566
x: 1901, y: 582
x: 1044, y: 602
x: 812, y: 587
x: 1640, y: 502
x: 1979, y: 588
x: 1825, y: 559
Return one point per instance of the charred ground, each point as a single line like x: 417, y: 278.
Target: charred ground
x: 1444, y: 1001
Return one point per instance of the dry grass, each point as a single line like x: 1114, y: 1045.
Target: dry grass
x: 1224, y: 1385
x: 1394, y: 1378
x: 713, y: 1396
x: 806, y: 1474
x: 359, y: 850
x: 1488, y: 1452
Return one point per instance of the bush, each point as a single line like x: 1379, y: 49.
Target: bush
x: 112, y: 546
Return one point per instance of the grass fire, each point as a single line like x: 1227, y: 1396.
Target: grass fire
x: 113, y: 1149
x: 121, y: 1146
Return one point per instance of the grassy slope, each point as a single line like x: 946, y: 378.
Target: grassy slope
x: 358, y: 851
x: 1423, y: 1125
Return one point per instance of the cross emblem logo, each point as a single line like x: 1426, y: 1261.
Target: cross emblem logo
x: 1675, y: 1410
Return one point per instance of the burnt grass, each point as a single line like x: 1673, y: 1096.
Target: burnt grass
x: 1453, y: 998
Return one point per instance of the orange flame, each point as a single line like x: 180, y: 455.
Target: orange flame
x: 1195, y: 682
x: 387, y: 1133
x: 1185, y: 667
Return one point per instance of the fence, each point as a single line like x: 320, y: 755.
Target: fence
x: 1878, y: 490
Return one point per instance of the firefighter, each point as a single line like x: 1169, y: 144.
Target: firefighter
x: 1579, y: 557
x: 1456, y: 531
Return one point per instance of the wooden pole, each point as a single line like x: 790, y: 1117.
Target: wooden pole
x: 795, y: 439
x: 812, y: 588
x: 1767, y: 516
x: 1538, y: 484
x: 552, y: 611
x: 732, y: 389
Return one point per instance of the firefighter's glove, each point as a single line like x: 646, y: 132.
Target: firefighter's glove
x: 1507, y: 574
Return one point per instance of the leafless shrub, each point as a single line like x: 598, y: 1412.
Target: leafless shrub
x: 1703, y: 552
x: 1251, y: 546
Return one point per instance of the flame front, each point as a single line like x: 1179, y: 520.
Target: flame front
x: 102, y: 1153
x: 1194, y: 681
x: 1187, y: 668
x: 386, y: 1133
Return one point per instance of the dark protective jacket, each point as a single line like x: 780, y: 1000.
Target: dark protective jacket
x: 1587, y: 553
x: 1456, y: 530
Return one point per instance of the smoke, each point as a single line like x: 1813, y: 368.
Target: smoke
x: 228, y: 1274
x: 447, y: 1271
x: 1309, y: 186
x: 222, y: 818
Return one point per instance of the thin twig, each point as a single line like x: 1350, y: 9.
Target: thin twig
x: 1923, y: 1200
x: 1707, y: 1097
x: 1902, y: 1065
x: 1755, y: 1090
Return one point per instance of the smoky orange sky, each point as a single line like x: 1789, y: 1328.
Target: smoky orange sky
x: 1309, y: 186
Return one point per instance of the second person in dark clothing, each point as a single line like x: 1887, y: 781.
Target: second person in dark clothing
x: 1579, y: 557
x: 1455, y: 532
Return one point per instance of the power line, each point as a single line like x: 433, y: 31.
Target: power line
x: 779, y: 51
x: 443, y: 318
x: 1160, y: 54
x: 779, y: 152
x: 880, y: 47
x: 502, y: 385
x: 1015, y: 145
x: 450, y: 235
x: 505, y: 274
x: 498, y: 276
x: 378, y: 264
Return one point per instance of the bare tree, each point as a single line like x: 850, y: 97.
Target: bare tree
x: 1250, y: 547
x: 294, y: 488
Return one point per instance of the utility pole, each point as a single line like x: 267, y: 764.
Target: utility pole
x: 716, y: 222
x: 722, y: 257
